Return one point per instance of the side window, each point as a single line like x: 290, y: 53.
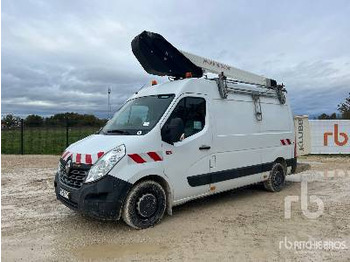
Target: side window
x: 194, y: 120
x: 191, y: 110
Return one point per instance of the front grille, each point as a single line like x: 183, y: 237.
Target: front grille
x: 75, y: 178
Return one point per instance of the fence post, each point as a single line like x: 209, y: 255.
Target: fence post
x: 67, y: 132
x: 22, y: 136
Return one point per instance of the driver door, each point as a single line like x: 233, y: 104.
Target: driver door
x: 189, y: 156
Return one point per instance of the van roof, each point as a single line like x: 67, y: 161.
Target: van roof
x: 205, y: 86
x: 177, y: 87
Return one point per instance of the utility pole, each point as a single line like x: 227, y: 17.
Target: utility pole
x: 109, y: 103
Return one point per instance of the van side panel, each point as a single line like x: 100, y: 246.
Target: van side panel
x: 244, y: 147
x: 236, y: 143
x: 276, y: 130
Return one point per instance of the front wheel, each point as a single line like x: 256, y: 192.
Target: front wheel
x: 277, y: 178
x: 145, y: 205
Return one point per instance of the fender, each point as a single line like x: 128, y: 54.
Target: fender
x: 157, y: 175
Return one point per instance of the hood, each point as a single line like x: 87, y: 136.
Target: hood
x: 91, y: 148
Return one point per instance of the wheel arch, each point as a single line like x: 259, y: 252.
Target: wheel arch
x: 164, y: 183
x: 282, y: 161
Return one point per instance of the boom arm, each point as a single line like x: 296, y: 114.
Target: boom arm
x: 212, y: 66
x: 157, y: 56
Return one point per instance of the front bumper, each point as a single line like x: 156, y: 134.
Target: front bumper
x: 102, y: 199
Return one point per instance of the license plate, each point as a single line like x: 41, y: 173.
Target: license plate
x: 64, y: 193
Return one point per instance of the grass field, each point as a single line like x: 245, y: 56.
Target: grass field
x: 42, y: 140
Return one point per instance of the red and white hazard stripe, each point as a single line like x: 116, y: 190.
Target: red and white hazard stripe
x: 145, y: 157
x: 78, y: 158
x: 286, y: 142
x: 66, y: 155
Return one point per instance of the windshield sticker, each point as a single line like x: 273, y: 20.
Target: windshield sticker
x: 145, y: 123
x: 139, y: 133
x: 197, y: 125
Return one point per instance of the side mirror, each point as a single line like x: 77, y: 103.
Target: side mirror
x: 172, y: 132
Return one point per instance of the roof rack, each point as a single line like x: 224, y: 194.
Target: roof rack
x: 157, y: 56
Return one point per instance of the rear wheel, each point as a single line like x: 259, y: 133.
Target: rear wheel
x: 277, y: 178
x: 145, y: 205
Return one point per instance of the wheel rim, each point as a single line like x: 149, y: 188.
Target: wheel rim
x: 147, y: 205
x: 278, y: 178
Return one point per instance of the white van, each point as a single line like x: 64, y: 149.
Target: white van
x: 177, y: 141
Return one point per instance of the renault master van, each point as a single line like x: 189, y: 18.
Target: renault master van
x: 170, y: 143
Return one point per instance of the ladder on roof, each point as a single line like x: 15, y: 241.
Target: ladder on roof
x: 230, y: 75
x: 157, y: 56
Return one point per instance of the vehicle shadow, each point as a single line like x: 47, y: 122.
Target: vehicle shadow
x: 242, y: 193
x: 203, y: 204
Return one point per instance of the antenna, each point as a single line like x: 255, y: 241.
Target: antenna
x: 109, y: 103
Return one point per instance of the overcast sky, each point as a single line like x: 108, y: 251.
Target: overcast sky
x: 60, y: 56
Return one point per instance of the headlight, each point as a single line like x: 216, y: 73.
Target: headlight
x: 105, y: 164
x: 59, y: 167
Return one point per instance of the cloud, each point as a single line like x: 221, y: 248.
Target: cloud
x: 62, y: 56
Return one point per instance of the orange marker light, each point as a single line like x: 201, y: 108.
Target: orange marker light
x: 188, y: 75
x: 154, y: 82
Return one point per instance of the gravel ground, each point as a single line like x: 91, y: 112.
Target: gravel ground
x: 241, y: 225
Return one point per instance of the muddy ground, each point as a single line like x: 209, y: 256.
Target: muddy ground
x: 241, y: 225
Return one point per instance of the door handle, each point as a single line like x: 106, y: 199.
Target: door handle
x: 204, y: 147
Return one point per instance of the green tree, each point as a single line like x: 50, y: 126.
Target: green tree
x: 74, y: 119
x: 325, y: 116
x: 344, y: 108
x: 11, y: 121
x: 333, y: 116
x: 34, y: 120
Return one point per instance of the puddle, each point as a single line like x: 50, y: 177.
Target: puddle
x: 113, y: 251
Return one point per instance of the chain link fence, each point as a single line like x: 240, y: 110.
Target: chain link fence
x: 47, y: 139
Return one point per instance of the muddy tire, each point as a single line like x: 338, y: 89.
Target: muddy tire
x: 277, y: 178
x: 145, y: 205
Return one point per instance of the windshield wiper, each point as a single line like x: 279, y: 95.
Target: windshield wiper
x: 118, y: 131
x: 100, y: 131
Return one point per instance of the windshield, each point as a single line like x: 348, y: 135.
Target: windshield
x: 138, y: 116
